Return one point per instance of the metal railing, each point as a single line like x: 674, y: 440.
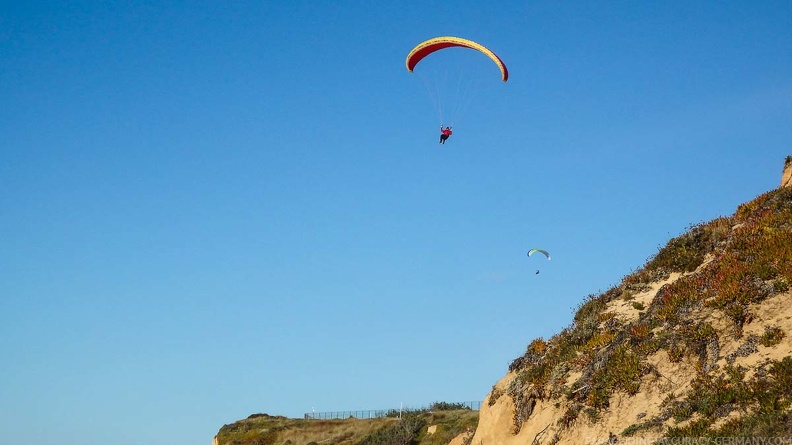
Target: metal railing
x: 378, y: 413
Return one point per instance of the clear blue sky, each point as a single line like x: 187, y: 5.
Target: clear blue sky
x: 213, y: 209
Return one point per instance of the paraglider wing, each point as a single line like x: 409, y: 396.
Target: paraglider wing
x: 428, y: 47
x: 533, y: 251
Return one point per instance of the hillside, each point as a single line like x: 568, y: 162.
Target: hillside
x: 424, y: 427
x: 696, y: 343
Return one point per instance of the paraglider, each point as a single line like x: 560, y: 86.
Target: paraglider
x: 453, y: 95
x: 542, y: 251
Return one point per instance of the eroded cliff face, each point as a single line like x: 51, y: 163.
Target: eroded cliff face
x: 550, y: 420
x: 558, y: 420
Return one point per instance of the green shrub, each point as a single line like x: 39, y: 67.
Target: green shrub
x: 622, y: 371
x: 782, y: 373
x: 445, y: 406
x: 675, y: 353
x: 687, y: 251
x: 772, y: 336
x: 593, y: 415
x: 590, y: 309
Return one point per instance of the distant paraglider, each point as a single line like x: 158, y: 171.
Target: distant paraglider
x: 542, y: 251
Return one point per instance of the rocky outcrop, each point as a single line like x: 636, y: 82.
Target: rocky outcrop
x: 786, y: 176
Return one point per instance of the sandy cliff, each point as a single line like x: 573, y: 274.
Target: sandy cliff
x: 545, y: 424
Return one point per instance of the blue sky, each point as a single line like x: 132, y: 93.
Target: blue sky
x: 213, y: 209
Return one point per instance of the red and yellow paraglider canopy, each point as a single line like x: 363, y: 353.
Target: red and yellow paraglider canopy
x: 428, y: 47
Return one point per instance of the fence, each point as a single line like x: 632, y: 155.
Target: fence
x: 377, y: 413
